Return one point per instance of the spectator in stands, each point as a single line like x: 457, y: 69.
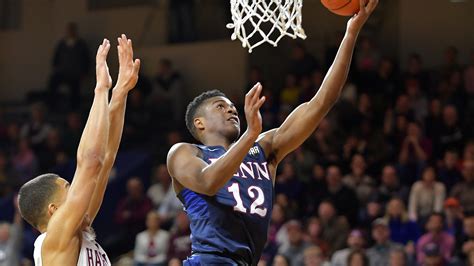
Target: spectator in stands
x: 449, y: 173
x: 168, y: 91
x: 402, y: 229
x: 287, y: 182
x: 314, y: 235
x: 11, y: 236
x: 151, y: 245
x: 435, y: 235
x: 71, y: 63
x: 138, y: 117
x: 433, y: 256
x: 169, y: 208
x: 380, y: 251
x: 453, y: 218
x: 130, y: 215
x: 180, y: 238
x: 390, y: 186
x: 465, y: 244
x: 355, y: 241
x: 175, y: 262
x: 8, y: 176
x: 416, y: 71
x: 161, y: 182
x: 450, y: 134
x: 468, y: 154
x: 398, y: 257
x: 302, y: 63
x: 404, y: 107
x: 426, y: 196
x: 290, y: 94
x: 358, y: 180
x: 24, y: 161
x: 434, y: 120
x: 36, y: 129
x: 323, y: 143
x: 464, y: 191
x: 295, y: 246
x: 313, y: 256
x: 281, y: 260
x: 374, y: 209
x: 450, y: 63
x: 313, y: 191
x: 358, y: 258
x: 334, y: 228
x: 344, y: 198
x: 366, y: 59
x: 415, y: 152
x: 73, y: 131
x: 417, y: 98
x: 52, y: 153
x: 385, y: 86
x: 304, y: 160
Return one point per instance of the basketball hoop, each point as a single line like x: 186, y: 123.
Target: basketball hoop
x: 258, y: 21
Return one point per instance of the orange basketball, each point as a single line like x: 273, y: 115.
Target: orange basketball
x: 342, y: 7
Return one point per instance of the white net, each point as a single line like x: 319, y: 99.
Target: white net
x: 258, y: 21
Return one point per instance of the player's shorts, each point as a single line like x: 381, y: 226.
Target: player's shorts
x: 199, y: 259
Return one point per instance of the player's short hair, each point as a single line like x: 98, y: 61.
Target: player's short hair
x: 193, y: 108
x: 34, y: 197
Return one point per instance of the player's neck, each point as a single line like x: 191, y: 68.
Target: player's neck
x: 216, y: 140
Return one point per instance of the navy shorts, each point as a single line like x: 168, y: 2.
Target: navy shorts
x: 199, y: 259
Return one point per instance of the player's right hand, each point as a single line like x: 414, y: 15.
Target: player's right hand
x: 253, y: 102
x: 355, y: 23
x: 104, y: 81
x: 128, y: 70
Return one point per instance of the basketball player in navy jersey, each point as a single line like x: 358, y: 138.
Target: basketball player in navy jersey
x: 226, y: 185
x: 64, y: 212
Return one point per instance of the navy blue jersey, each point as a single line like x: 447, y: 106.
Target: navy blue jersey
x: 234, y: 222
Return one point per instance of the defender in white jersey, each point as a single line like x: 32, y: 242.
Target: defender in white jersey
x: 64, y: 212
x: 91, y: 252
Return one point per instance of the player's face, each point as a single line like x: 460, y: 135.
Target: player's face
x: 61, y: 193
x: 220, y: 115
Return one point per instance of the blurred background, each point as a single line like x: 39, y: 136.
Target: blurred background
x: 387, y: 179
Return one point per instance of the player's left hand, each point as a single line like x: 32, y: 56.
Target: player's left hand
x: 104, y: 81
x: 129, y: 68
x: 358, y: 20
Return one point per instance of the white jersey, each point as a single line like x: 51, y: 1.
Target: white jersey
x: 91, y: 253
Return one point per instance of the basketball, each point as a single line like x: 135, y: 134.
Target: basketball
x: 342, y: 7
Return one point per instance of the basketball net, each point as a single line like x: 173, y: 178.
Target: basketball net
x: 258, y: 21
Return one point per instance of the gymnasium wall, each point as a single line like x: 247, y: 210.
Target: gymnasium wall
x: 428, y: 27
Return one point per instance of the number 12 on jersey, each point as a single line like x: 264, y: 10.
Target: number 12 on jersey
x: 258, y: 200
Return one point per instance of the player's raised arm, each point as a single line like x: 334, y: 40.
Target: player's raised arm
x: 66, y: 221
x: 304, y: 119
x: 127, y: 79
x: 185, y: 166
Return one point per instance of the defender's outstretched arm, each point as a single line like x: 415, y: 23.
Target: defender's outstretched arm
x: 127, y: 79
x: 301, y: 123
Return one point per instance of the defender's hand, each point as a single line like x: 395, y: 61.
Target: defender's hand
x: 253, y: 102
x: 128, y: 70
x: 358, y: 20
x: 104, y: 81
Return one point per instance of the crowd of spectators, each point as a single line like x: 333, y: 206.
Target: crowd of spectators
x: 386, y: 179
